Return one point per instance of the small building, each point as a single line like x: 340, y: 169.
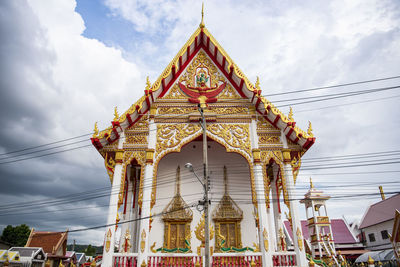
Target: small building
x: 54, y: 244
x: 12, y: 259
x: 32, y: 257
x: 80, y: 259
x: 377, y: 223
x: 4, y: 245
x: 71, y: 259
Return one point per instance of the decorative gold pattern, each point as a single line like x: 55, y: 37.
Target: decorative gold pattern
x: 199, y: 230
x: 142, y: 241
x: 201, y: 61
x: 299, y: 239
x: 175, y: 93
x: 127, y: 241
x: 171, y: 135
x: 296, y: 164
x: 269, y: 139
x: 176, y: 110
x: 136, y: 139
x: 108, y: 239
x: 281, y: 240
x: 109, y: 162
x: 265, y: 236
x: 309, y: 130
x: 290, y: 116
x: 96, y: 130
x: 236, y: 135
x: 229, y: 93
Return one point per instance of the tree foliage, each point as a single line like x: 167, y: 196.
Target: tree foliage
x: 16, y: 236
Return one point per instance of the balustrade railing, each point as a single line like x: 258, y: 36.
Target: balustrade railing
x: 284, y: 259
x: 174, y: 261
x: 125, y: 260
x: 236, y: 260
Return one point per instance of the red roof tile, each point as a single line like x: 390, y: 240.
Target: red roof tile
x: 49, y: 241
x: 380, y: 212
x: 341, y: 233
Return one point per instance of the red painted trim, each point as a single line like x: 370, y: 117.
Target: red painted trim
x: 180, y: 62
x: 188, y: 52
x: 258, y: 102
x: 215, y: 53
x: 195, y: 41
x: 152, y: 96
x: 276, y: 120
x: 296, y: 139
x: 208, y: 43
x: 163, y: 83
x: 96, y: 143
x: 238, y: 89
x: 164, y: 91
x: 223, y: 63
x: 173, y: 69
x: 128, y: 117
x: 230, y: 71
x: 290, y: 132
x: 148, y: 100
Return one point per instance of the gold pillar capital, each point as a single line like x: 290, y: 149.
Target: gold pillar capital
x: 149, y: 155
x: 256, y: 155
x: 119, y: 155
x: 286, y: 155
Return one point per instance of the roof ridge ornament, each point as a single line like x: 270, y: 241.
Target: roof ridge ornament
x: 202, y: 16
x: 148, y: 84
x: 290, y: 115
x: 95, y: 130
x: 311, y: 184
x: 309, y: 130
x: 116, y: 115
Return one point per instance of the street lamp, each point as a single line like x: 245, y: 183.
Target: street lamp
x: 189, y: 166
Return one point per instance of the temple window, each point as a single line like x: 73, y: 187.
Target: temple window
x: 177, y: 218
x: 227, y: 217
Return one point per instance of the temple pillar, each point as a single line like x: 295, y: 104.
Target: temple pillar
x: 264, y: 233
x: 144, y: 229
x: 109, y: 239
x: 298, y: 239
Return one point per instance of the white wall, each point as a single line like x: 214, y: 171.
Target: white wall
x: 191, y: 190
x: 376, y: 230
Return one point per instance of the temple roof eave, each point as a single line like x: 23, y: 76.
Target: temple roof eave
x: 202, y: 39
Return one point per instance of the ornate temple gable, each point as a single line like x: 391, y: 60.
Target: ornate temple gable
x: 201, y: 68
x: 177, y: 209
x: 237, y: 87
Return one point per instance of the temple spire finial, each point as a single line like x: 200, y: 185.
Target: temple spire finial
x: 202, y: 16
x: 178, y: 181
x: 225, y: 181
x: 116, y: 115
x: 311, y: 184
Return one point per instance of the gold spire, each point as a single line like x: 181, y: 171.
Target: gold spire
x: 178, y: 181
x: 370, y: 260
x: 225, y: 181
x: 96, y: 130
x: 309, y: 130
x: 311, y: 184
x: 116, y: 116
x: 290, y: 116
x: 148, y: 84
x: 202, y: 16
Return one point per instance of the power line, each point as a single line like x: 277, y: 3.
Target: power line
x: 332, y: 86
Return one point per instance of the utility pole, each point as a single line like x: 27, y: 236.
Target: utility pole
x: 205, y: 185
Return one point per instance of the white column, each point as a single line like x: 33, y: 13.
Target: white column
x: 143, y: 249
x: 113, y: 208
x: 301, y: 258
x: 260, y: 193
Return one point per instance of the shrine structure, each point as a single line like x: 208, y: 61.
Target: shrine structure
x: 254, y: 155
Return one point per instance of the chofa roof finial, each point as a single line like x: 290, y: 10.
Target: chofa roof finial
x: 202, y: 16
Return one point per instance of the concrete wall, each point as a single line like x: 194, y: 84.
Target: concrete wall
x: 191, y: 190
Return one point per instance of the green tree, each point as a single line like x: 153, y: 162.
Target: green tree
x: 16, y: 236
x: 90, y: 251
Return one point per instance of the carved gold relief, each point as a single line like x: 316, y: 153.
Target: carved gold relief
x: 136, y: 139
x: 296, y: 164
x: 230, y: 110
x: 201, y: 61
x: 299, y: 239
x: 142, y: 241
x: 176, y: 110
x: 236, y: 135
x: 175, y: 93
x: 109, y: 162
x: 269, y: 139
x: 265, y: 236
x: 108, y: 240
x: 171, y: 135
x: 229, y: 93
x: 199, y: 230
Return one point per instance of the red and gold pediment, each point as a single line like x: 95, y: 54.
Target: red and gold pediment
x: 202, y: 72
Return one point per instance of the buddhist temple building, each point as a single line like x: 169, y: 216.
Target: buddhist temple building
x: 253, y: 157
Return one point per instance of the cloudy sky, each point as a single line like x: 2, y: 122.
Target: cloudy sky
x: 65, y: 64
